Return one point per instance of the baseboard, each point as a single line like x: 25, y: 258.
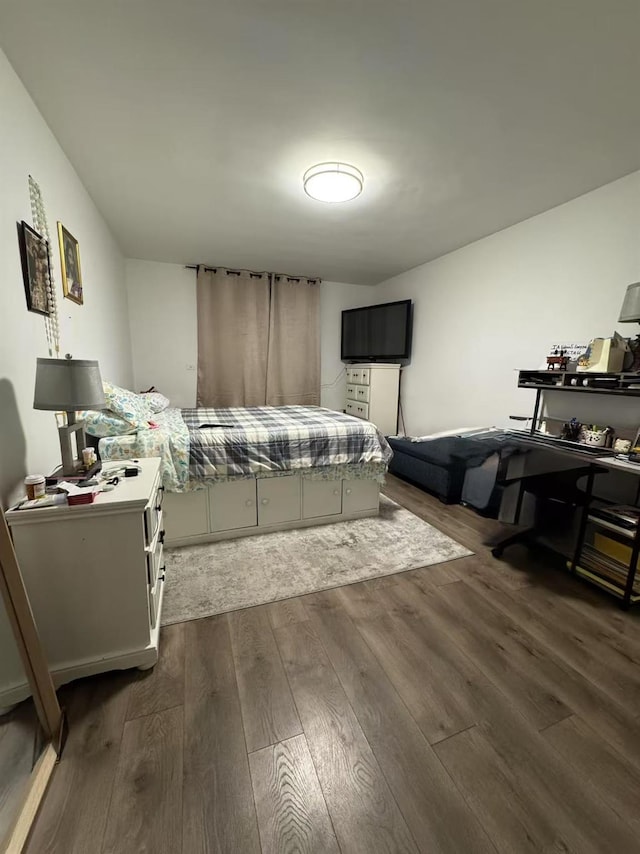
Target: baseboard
x: 144, y: 658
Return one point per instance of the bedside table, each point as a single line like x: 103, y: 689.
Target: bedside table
x: 94, y: 575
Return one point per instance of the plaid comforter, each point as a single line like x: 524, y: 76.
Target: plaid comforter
x: 247, y: 441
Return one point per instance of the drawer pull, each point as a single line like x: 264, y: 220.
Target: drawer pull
x: 248, y: 502
x: 161, y: 489
x: 264, y: 501
x: 162, y: 536
x: 161, y: 575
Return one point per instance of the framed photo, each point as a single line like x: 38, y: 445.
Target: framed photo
x: 36, y: 273
x: 70, y: 264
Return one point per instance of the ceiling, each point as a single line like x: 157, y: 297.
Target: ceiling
x: 191, y: 122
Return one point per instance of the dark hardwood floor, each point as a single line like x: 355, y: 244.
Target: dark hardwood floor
x: 475, y: 706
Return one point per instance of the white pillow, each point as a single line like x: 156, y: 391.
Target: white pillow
x: 155, y: 401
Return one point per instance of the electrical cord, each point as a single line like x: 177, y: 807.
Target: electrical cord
x: 403, y: 426
x: 330, y: 385
x: 118, y: 471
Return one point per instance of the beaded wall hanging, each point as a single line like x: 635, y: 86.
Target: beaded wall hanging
x: 39, y: 215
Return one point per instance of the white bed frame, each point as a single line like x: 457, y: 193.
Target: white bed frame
x: 243, y: 508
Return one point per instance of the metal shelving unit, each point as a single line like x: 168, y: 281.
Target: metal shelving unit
x: 603, y: 568
x: 610, y: 572
x: 615, y: 385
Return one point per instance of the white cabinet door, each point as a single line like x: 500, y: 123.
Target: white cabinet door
x: 359, y: 495
x: 321, y: 498
x: 185, y: 514
x: 362, y: 411
x: 232, y: 505
x: 278, y: 499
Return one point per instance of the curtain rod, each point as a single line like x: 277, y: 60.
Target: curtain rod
x: 253, y: 272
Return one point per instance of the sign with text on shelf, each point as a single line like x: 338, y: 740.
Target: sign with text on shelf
x: 571, y: 351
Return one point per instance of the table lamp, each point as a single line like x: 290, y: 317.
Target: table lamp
x: 630, y: 311
x: 70, y: 385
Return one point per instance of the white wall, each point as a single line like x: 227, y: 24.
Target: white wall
x: 496, y: 305
x: 162, y: 307
x: 97, y: 330
x: 334, y: 298
x: 164, y: 336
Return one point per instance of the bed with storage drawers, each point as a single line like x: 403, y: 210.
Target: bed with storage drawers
x: 239, y: 471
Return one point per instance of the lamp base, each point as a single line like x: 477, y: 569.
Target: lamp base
x: 71, y: 464
x: 80, y: 472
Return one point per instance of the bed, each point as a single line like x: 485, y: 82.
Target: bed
x: 241, y: 471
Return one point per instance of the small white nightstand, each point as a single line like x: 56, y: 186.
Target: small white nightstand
x: 95, y: 578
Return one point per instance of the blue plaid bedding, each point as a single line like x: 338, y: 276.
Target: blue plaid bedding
x: 245, y: 441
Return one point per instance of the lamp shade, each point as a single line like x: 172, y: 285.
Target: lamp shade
x: 630, y: 311
x: 68, y: 384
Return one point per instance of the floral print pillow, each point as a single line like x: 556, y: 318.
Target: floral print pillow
x: 104, y: 423
x: 155, y: 401
x: 128, y: 405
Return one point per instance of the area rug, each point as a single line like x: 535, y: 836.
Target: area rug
x: 213, y: 578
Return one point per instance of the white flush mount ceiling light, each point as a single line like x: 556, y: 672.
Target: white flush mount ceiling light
x: 333, y: 182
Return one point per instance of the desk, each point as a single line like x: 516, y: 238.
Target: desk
x: 538, y: 455
x: 613, y: 570
x: 618, y: 464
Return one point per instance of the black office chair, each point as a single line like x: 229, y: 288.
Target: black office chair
x: 557, y: 495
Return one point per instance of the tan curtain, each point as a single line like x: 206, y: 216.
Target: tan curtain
x: 293, y: 375
x: 233, y: 337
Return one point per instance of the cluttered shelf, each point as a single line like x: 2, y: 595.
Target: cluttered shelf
x: 608, y: 438
x: 608, y: 551
x: 620, y: 392
x: 623, y: 384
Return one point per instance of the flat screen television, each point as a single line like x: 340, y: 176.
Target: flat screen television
x: 377, y: 332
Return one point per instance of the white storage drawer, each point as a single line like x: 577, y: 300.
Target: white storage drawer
x: 321, y: 498
x: 362, y: 410
x: 155, y: 563
x: 153, y: 514
x: 278, y: 499
x: 232, y: 505
x: 351, y: 407
x: 359, y: 495
x: 154, y: 599
x: 186, y: 514
x: 362, y: 393
x: 352, y: 391
x: 365, y: 374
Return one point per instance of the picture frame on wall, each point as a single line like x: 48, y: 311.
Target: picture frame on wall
x: 70, y: 265
x: 36, y: 272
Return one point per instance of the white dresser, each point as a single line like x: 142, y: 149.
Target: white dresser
x: 95, y: 578
x: 373, y: 393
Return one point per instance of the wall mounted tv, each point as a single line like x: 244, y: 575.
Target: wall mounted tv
x: 377, y: 332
